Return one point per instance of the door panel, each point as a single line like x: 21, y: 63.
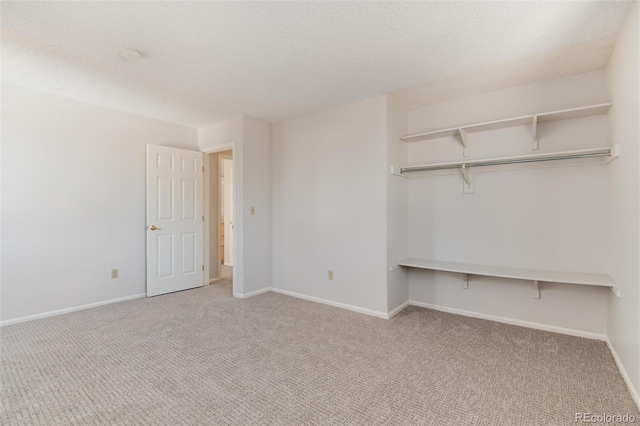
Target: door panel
x: 189, y: 196
x: 174, y: 219
x: 165, y: 198
x: 165, y: 254
x: 189, y: 250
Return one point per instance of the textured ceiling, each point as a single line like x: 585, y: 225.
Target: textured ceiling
x: 204, y: 62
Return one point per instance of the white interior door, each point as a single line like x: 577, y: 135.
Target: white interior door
x: 227, y: 165
x: 174, y: 219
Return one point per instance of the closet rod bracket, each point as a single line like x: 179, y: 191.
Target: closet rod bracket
x: 613, y: 153
x: 468, y: 179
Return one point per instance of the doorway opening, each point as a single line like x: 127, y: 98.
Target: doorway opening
x: 221, y: 217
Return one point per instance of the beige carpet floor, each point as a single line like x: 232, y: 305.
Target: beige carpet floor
x: 202, y: 357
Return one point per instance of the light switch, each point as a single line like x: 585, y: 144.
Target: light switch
x: 253, y: 210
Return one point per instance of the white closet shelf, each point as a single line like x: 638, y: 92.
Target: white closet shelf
x: 535, y: 275
x: 532, y: 119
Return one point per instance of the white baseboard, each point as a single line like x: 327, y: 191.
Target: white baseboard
x: 397, y: 310
x: 73, y: 309
x: 214, y: 280
x: 512, y: 321
x: 332, y: 303
x: 253, y: 293
x: 632, y: 390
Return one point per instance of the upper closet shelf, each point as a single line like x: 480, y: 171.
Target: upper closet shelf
x: 532, y: 120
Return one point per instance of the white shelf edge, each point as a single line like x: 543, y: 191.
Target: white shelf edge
x: 564, y: 114
x: 580, y: 278
x: 570, y: 113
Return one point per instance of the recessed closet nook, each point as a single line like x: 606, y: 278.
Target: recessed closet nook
x: 503, y: 143
x: 513, y: 202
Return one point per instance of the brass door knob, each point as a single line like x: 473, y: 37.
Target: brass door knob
x: 154, y: 228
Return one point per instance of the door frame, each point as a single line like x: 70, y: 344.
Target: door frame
x: 207, y: 214
x: 221, y: 158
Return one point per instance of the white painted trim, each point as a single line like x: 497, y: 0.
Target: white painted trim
x: 214, y: 280
x: 72, y: 309
x: 253, y: 293
x: 512, y: 321
x: 219, y: 148
x: 397, y: 310
x: 353, y: 308
x: 632, y: 390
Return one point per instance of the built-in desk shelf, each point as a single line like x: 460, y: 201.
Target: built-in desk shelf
x: 532, y: 120
x: 534, y: 275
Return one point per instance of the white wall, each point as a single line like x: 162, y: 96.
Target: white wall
x: 546, y: 216
x: 250, y: 141
x: 220, y: 135
x: 328, y: 198
x: 397, y: 207
x: 256, y: 193
x: 73, y: 200
x: 624, y: 212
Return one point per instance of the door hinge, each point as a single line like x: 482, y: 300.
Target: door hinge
x: 203, y: 267
x: 203, y: 218
x: 202, y: 169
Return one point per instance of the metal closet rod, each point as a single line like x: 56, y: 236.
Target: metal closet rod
x: 586, y: 153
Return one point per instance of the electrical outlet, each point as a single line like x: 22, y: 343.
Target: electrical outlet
x: 253, y: 210
x: 330, y: 274
x: 114, y: 274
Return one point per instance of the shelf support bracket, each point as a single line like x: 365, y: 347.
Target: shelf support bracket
x: 536, y: 289
x: 465, y: 281
x: 463, y: 140
x: 616, y: 290
x: 534, y: 133
x: 467, y: 177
